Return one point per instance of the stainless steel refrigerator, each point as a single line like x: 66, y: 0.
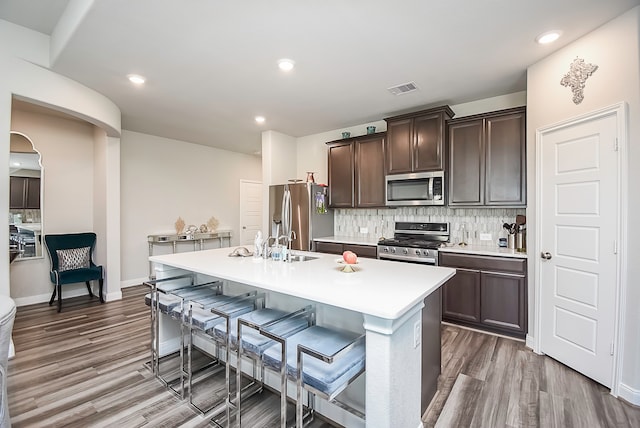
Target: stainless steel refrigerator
x: 308, y: 215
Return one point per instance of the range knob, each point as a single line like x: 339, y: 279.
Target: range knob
x: 393, y: 249
x: 405, y: 251
x: 417, y: 252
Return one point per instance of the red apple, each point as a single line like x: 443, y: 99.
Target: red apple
x: 350, y: 257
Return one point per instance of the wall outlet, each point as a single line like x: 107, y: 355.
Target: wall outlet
x: 364, y: 230
x: 485, y: 237
x: 417, y: 333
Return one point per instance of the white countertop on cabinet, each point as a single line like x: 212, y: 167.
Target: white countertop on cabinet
x: 484, y: 250
x: 357, y: 240
x: 33, y: 227
x: 380, y: 288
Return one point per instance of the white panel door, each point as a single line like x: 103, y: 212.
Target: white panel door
x: 250, y: 211
x: 578, y: 226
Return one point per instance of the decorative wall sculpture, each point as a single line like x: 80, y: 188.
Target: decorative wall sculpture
x: 579, y: 72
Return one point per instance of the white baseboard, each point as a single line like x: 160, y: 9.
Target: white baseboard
x: 110, y: 297
x: 530, y: 342
x: 133, y: 282
x: 41, y: 298
x: 629, y: 394
x: 66, y: 293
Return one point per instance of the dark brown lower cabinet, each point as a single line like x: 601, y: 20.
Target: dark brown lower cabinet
x: 502, y: 301
x: 487, y: 292
x: 461, y: 296
x: 368, y: 251
x: 329, y: 247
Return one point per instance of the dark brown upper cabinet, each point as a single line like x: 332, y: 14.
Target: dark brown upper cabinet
x: 341, y: 168
x: 357, y: 171
x: 487, y: 159
x: 24, y: 193
x: 416, y: 141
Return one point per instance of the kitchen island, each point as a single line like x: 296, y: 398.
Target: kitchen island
x: 385, y: 300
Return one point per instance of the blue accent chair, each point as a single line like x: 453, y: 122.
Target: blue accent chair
x: 66, y: 272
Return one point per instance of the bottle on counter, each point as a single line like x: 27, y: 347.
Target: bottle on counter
x: 502, y: 240
x: 276, y: 255
x: 257, y: 245
x: 464, y: 236
x: 521, y: 239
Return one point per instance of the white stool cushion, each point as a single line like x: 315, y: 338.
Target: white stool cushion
x: 252, y: 341
x: 322, y: 376
x: 166, y: 302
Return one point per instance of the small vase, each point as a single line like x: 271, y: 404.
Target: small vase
x: 310, y: 178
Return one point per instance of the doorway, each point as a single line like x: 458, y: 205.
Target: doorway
x: 578, y: 267
x: 250, y: 210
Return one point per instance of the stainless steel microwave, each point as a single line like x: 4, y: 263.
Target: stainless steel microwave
x: 421, y: 188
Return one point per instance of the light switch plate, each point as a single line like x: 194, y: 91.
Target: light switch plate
x: 485, y: 237
x: 417, y: 334
x: 364, y: 230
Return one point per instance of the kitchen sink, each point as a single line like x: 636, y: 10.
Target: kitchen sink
x: 301, y: 258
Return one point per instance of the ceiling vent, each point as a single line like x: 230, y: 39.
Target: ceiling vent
x: 405, y: 88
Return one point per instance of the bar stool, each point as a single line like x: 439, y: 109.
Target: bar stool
x: 321, y: 361
x: 168, y: 296
x: 161, y: 303
x: 228, y: 334
x: 218, y: 316
x: 260, y: 337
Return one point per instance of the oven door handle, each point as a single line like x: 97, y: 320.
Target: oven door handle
x: 431, y: 189
x: 426, y: 261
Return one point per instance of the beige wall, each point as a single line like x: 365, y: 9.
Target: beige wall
x: 312, y: 149
x: 67, y: 151
x: 614, y: 48
x: 163, y: 179
x: 25, y: 76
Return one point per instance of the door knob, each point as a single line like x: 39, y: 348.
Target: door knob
x: 244, y: 227
x: 545, y: 255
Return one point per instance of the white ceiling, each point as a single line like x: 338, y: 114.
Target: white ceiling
x: 211, y: 65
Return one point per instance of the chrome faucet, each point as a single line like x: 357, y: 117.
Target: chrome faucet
x: 286, y: 243
x: 290, y: 237
x: 266, y: 247
x: 281, y: 237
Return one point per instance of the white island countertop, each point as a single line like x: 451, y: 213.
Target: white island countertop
x: 380, y: 288
x: 33, y: 227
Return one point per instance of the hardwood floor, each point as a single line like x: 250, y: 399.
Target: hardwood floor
x: 84, y: 367
x: 489, y: 381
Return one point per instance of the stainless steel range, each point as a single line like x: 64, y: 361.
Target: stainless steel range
x: 414, y: 242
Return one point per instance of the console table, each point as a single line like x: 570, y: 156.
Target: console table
x: 198, y: 240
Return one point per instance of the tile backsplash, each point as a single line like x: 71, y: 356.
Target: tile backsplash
x: 380, y: 222
x: 24, y: 216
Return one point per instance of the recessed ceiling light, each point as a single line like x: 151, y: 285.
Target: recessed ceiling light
x: 548, y: 37
x: 136, y: 78
x: 286, y: 64
x: 260, y: 119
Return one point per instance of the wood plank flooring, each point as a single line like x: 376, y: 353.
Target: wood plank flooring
x: 84, y: 368
x: 489, y: 381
